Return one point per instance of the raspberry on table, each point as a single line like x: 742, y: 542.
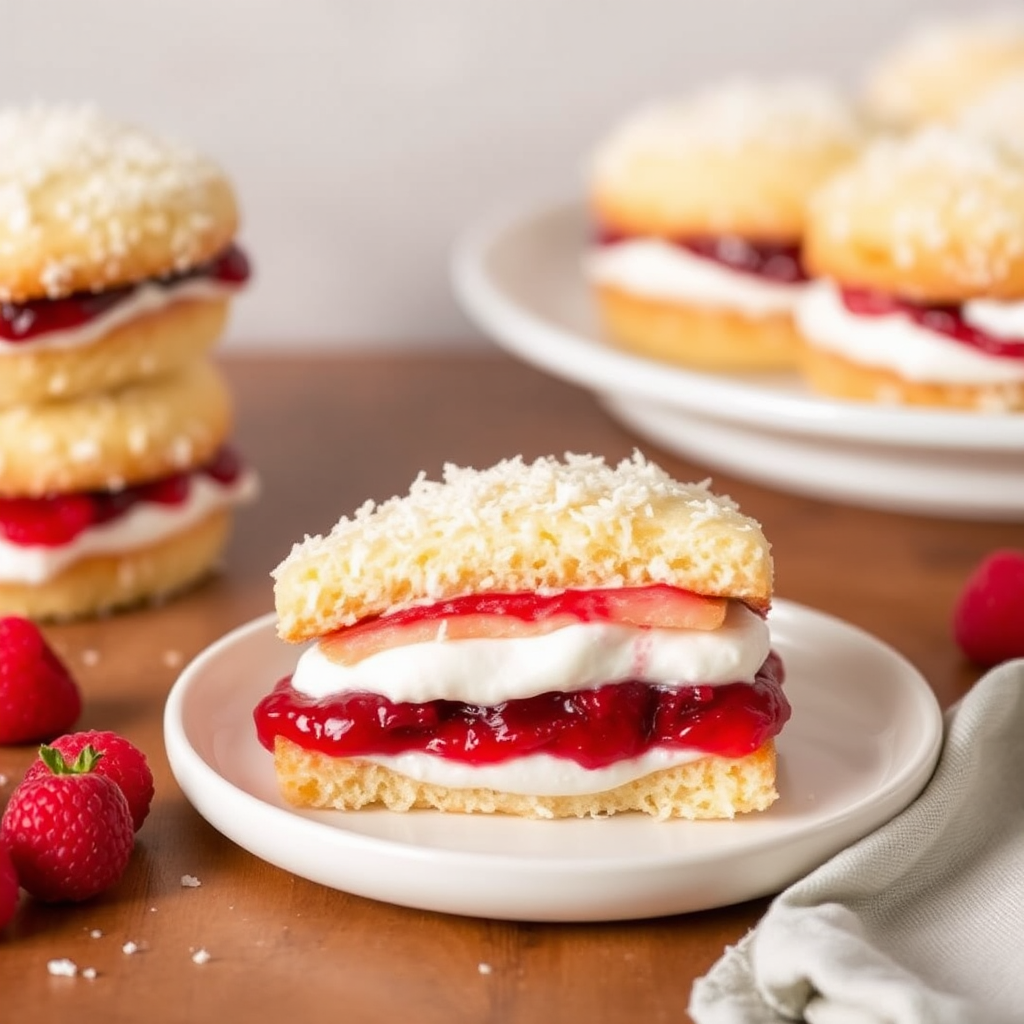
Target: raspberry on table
x: 39, y: 698
x: 69, y: 833
x: 988, y: 619
x: 122, y: 761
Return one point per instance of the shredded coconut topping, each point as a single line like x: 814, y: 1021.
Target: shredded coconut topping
x: 114, y: 181
x: 951, y: 193
x: 190, y: 882
x: 794, y: 114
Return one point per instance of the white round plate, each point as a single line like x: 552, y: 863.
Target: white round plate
x: 862, y: 742
x: 519, y: 278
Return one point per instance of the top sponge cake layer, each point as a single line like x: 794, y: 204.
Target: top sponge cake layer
x: 522, y: 526
x: 87, y: 204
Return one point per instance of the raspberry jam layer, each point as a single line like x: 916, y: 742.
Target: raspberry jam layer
x: 773, y: 261
x: 945, y: 320
x: 24, y: 321
x: 595, y: 728
x: 58, y: 519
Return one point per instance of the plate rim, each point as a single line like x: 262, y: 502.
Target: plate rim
x: 913, y: 775
x: 588, y: 361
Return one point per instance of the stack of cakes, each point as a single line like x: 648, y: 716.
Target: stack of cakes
x: 699, y: 207
x: 117, y: 268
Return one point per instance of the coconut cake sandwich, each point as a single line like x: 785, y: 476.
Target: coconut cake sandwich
x: 557, y: 638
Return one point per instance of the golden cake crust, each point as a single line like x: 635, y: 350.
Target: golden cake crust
x: 145, y: 347
x: 739, y: 159
x: 88, y: 203
x: 104, y: 583
x: 937, y: 217
x: 937, y: 68
x: 522, y: 526
x: 832, y: 375
x: 139, y: 433
x: 712, y: 787
x: 706, y: 339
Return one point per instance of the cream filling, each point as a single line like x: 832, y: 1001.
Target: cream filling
x: 578, y: 657
x: 894, y: 342
x: 148, y: 297
x: 659, y: 270
x: 534, y: 774
x: 143, y: 524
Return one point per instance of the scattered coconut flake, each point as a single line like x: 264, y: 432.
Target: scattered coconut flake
x: 201, y: 956
x: 62, y: 968
x: 484, y: 968
x: 96, y: 933
x: 130, y: 948
x: 190, y: 882
x: 89, y: 973
x: 3, y: 780
x: 173, y: 659
x: 90, y: 657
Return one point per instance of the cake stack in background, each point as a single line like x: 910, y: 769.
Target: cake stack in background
x: 872, y: 243
x: 117, y: 268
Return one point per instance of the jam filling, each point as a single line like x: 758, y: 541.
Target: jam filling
x: 23, y: 321
x: 946, y: 320
x: 594, y: 728
x: 57, y: 519
x: 774, y: 261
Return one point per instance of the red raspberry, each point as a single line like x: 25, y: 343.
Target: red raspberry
x: 8, y: 887
x: 69, y: 834
x: 121, y: 761
x: 988, y: 620
x: 38, y: 696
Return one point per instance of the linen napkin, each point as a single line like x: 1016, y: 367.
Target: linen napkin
x: 920, y: 922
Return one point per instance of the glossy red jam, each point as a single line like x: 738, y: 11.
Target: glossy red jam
x: 775, y: 261
x: 23, y: 321
x: 594, y: 728
x: 58, y: 519
x: 945, y: 320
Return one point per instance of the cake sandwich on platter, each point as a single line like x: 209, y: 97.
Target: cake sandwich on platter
x: 918, y: 253
x: 118, y: 265
x: 698, y: 208
x: 556, y: 638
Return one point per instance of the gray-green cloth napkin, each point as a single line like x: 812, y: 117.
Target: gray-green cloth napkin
x: 920, y: 922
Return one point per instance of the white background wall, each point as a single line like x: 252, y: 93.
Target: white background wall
x: 364, y: 135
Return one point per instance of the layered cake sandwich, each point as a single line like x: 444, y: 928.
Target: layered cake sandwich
x: 698, y: 209
x: 939, y: 66
x: 545, y: 639
x: 118, y: 264
x: 918, y: 248
x: 118, y: 259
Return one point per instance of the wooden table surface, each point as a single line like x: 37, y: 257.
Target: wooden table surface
x: 326, y: 433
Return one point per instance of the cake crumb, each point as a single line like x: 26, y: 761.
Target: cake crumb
x: 201, y: 956
x: 62, y: 968
x: 190, y: 882
x: 90, y: 657
x: 484, y: 968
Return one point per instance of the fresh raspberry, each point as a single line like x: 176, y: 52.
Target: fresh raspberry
x: 988, y: 620
x: 8, y: 887
x: 121, y: 761
x: 38, y: 697
x: 69, y: 834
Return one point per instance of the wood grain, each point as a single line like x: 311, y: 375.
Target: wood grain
x: 326, y: 433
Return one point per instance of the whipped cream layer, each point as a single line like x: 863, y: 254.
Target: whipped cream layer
x: 577, y: 657
x: 657, y: 269
x: 142, y: 524
x: 147, y: 297
x: 534, y: 774
x: 894, y: 342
